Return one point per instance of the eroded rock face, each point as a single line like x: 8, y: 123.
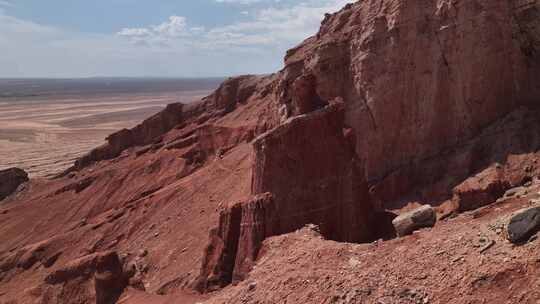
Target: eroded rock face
x: 433, y: 92
x: 420, y: 77
x: 313, y: 178
x: 233, y: 91
x: 10, y: 180
x: 148, y: 131
x: 235, y: 243
x: 298, y: 179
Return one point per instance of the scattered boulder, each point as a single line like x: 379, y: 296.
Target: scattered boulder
x: 419, y: 218
x: 10, y: 180
x: 523, y: 224
x: 480, y: 190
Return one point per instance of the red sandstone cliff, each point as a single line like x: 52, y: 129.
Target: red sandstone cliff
x: 392, y: 102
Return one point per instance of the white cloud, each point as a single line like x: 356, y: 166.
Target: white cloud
x: 174, y: 28
x: 174, y: 47
x: 278, y: 27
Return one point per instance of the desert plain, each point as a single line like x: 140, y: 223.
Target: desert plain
x: 44, y: 130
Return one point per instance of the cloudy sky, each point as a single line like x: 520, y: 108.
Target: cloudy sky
x: 186, y: 38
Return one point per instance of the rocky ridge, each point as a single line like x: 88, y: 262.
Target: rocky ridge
x: 392, y: 104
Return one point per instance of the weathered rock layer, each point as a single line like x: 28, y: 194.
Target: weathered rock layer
x: 297, y: 179
x: 420, y: 77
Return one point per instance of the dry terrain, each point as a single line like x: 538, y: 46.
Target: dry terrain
x: 303, y: 186
x: 45, y: 135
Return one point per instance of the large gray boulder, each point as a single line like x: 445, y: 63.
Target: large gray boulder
x: 419, y: 218
x: 523, y: 224
x: 10, y: 180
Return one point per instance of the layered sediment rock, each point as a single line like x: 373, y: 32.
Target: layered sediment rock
x: 298, y: 179
x: 314, y: 179
x: 419, y: 78
x: 148, y: 131
x: 413, y: 117
x: 235, y: 243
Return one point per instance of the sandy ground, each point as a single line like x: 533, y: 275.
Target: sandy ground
x: 45, y: 135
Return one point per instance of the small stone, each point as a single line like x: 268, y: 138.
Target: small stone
x: 511, y: 192
x: 523, y: 224
x: 488, y: 245
x: 142, y: 253
x: 156, y: 234
x: 456, y: 259
x: 252, y: 286
x: 408, y: 222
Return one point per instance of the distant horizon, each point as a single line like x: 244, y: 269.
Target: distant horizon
x: 118, y: 77
x: 153, y: 39
x: 17, y: 88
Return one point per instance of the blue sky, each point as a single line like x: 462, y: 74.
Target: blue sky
x: 186, y: 38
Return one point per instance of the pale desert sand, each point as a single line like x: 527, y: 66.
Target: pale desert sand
x: 44, y: 136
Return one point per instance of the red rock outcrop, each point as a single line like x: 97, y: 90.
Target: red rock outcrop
x: 313, y: 178
x: 297, y: 179
x: 234, y: 244
x: 234, y: 91
x: 147, y: 132
x: 10, y: 180
x: 414, y: 77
